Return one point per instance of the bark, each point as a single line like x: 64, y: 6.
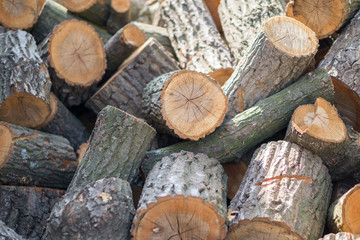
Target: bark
x: 270, y: 64
x: 193, y: 34
x: 341, y: 187
x: 3, y: 29
x: 183, y: 186
x: 213, y: 6
x: 33, y: 158
x: 7, y: 233
x: 100, y: 210
x: 340, y: 236
x: 24, y: 81
x: 284, y: 195
x: 149, y: 11
x: 116, y: 147
x: 26, y: 209
x: 235, y: 137
x: 124, y: 90
x: 242, y: 20
x: 98, y: 13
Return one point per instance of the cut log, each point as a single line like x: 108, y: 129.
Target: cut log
x: 242, y: 20
x: 188, y: 103
x: 26, y: 209
x: 279, y: 55
x: 184, y: 197
x: 221, y: 75
x: 121, y: 45
x: 119, y: 15
x: 194, y: 37
x: 124, y: 90
x: 100, y: 210
x: 7, y: 233
x: 24, y: 80
x: 319, y: 129
x: 81, y: 152
x: 344, y: 213
x: 116, y: 148
x: 235, y: 137
x: 324, y: 17
x: 32, y: 158
x: 341, y: 236
x: 235, y: 173
x: 76, y: 60
x: 284, y: 195
x: 62, y: 122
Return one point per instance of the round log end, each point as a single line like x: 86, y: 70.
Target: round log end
x: 18, y: 14
x: 78, y: 5
x: 133, y: 36
x: 179, y: 217
x: 54, y: 109
x: 76, y: 53
x: 221, y: 75
x: 351, y: 210
x: 193, y: 104
x: 6, y: 143
x: 120, y: 6
x: 290, y: 36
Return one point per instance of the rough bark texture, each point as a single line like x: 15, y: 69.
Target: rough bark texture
x: 284, y: 184
x: 7, y: 233
x: 124, y: 90
x: 100, y: 210
x: 188, y: 176
x: 36, y: 159
x: 98, y: 13
x: 116, y: 148
x: 235, y: 137
x: 242, y: 20
x: 26, y: 209
x: 149, y: 11
x: 193, y: 34
x: 340, y: 236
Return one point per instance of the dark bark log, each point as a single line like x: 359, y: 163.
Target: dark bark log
x: 26, y: 209
x: 98, y: 13
x: 284, y: 195
x: 183, y: 197
x: 340, y: 188
x: 7, y: 233
x: 340, y: 236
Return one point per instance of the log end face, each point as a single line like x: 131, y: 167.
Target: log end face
x: 221, y: 75
x: 133, y: 36
x: 18, y: 14
x: 351, y: 210
x: 120, y: 6
x: 6, y: 143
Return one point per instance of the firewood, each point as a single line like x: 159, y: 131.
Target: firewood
x: 100, y: 210
x: 242, y: 20
x: 341, y: 187
x: 188, y: 103
x: 323, y: 17
x: 194, y: 37
x: 7, y: 233
x: 221, y: 75
x: 235, y: 172
x: 344, y: 213
x: 318, y: 128
x: 341, y: 236
x: 124, y: 90
x: 149, y: 11
x: 184, y: 197
x: 235, y: 137
x: 279, y: 55
x: 26, y: 209
x: 116, y: 148
x: 81, y: 152
x: 24, y: 80
x: 121, y: 14
x: 32, y: 158
x: 284, y: 195
x: 62, y: 122
x: 76, y: 60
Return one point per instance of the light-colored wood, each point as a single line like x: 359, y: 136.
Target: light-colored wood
x: 19, y: 14
x: 221, y: 75
x: 81, y: 152
x: 341, y: 236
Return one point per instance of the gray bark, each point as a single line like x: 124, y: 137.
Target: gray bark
x: 7, y: 233
x: 340, y: 236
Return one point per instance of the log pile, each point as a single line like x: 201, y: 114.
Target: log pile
x: 179, y: 119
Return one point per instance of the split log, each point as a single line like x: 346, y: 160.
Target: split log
x: 194, y: 37
x: 318, y: 128
x: 100, y: 210
x: 32, y: 158
x: 235, y: 173
x: 62, y: 122
x: 7, y: 233
x: 344, y: 213
x: 235, y: 137
x: 242, y: 20
x: 221, y: 75
x: 187, y: 103
x: 124, y: 90
x: 76, y: 60
x: 323, y: 17
x: 116, y: 148
x: 26, y: 209
x: 24, y: 79
x: 184, y: 197
x: 284, y: 195
x: 340, y: 236
x: 279, y: 55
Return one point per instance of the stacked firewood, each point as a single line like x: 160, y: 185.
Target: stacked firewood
x: 179, y: 119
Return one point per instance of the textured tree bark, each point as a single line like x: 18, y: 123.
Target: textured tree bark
x: 116, y: 148
x: 26, y: 209
x: 24, y: 80
x: 4, y: 30
x: 193, y: 34
x: 242, y: 20
x: 149, y: 11
x: 284, y: 195
x: 95, y: 11
x: 32, y: 158
x: 340, y: 236
x: 124, y: 90
x: 76, y: 70
x: 235, y: 137
x: 279, y: 55
x: 344, y: 213
x: 100, y: 210
x: 184, y: 197
x: 7, y: 233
